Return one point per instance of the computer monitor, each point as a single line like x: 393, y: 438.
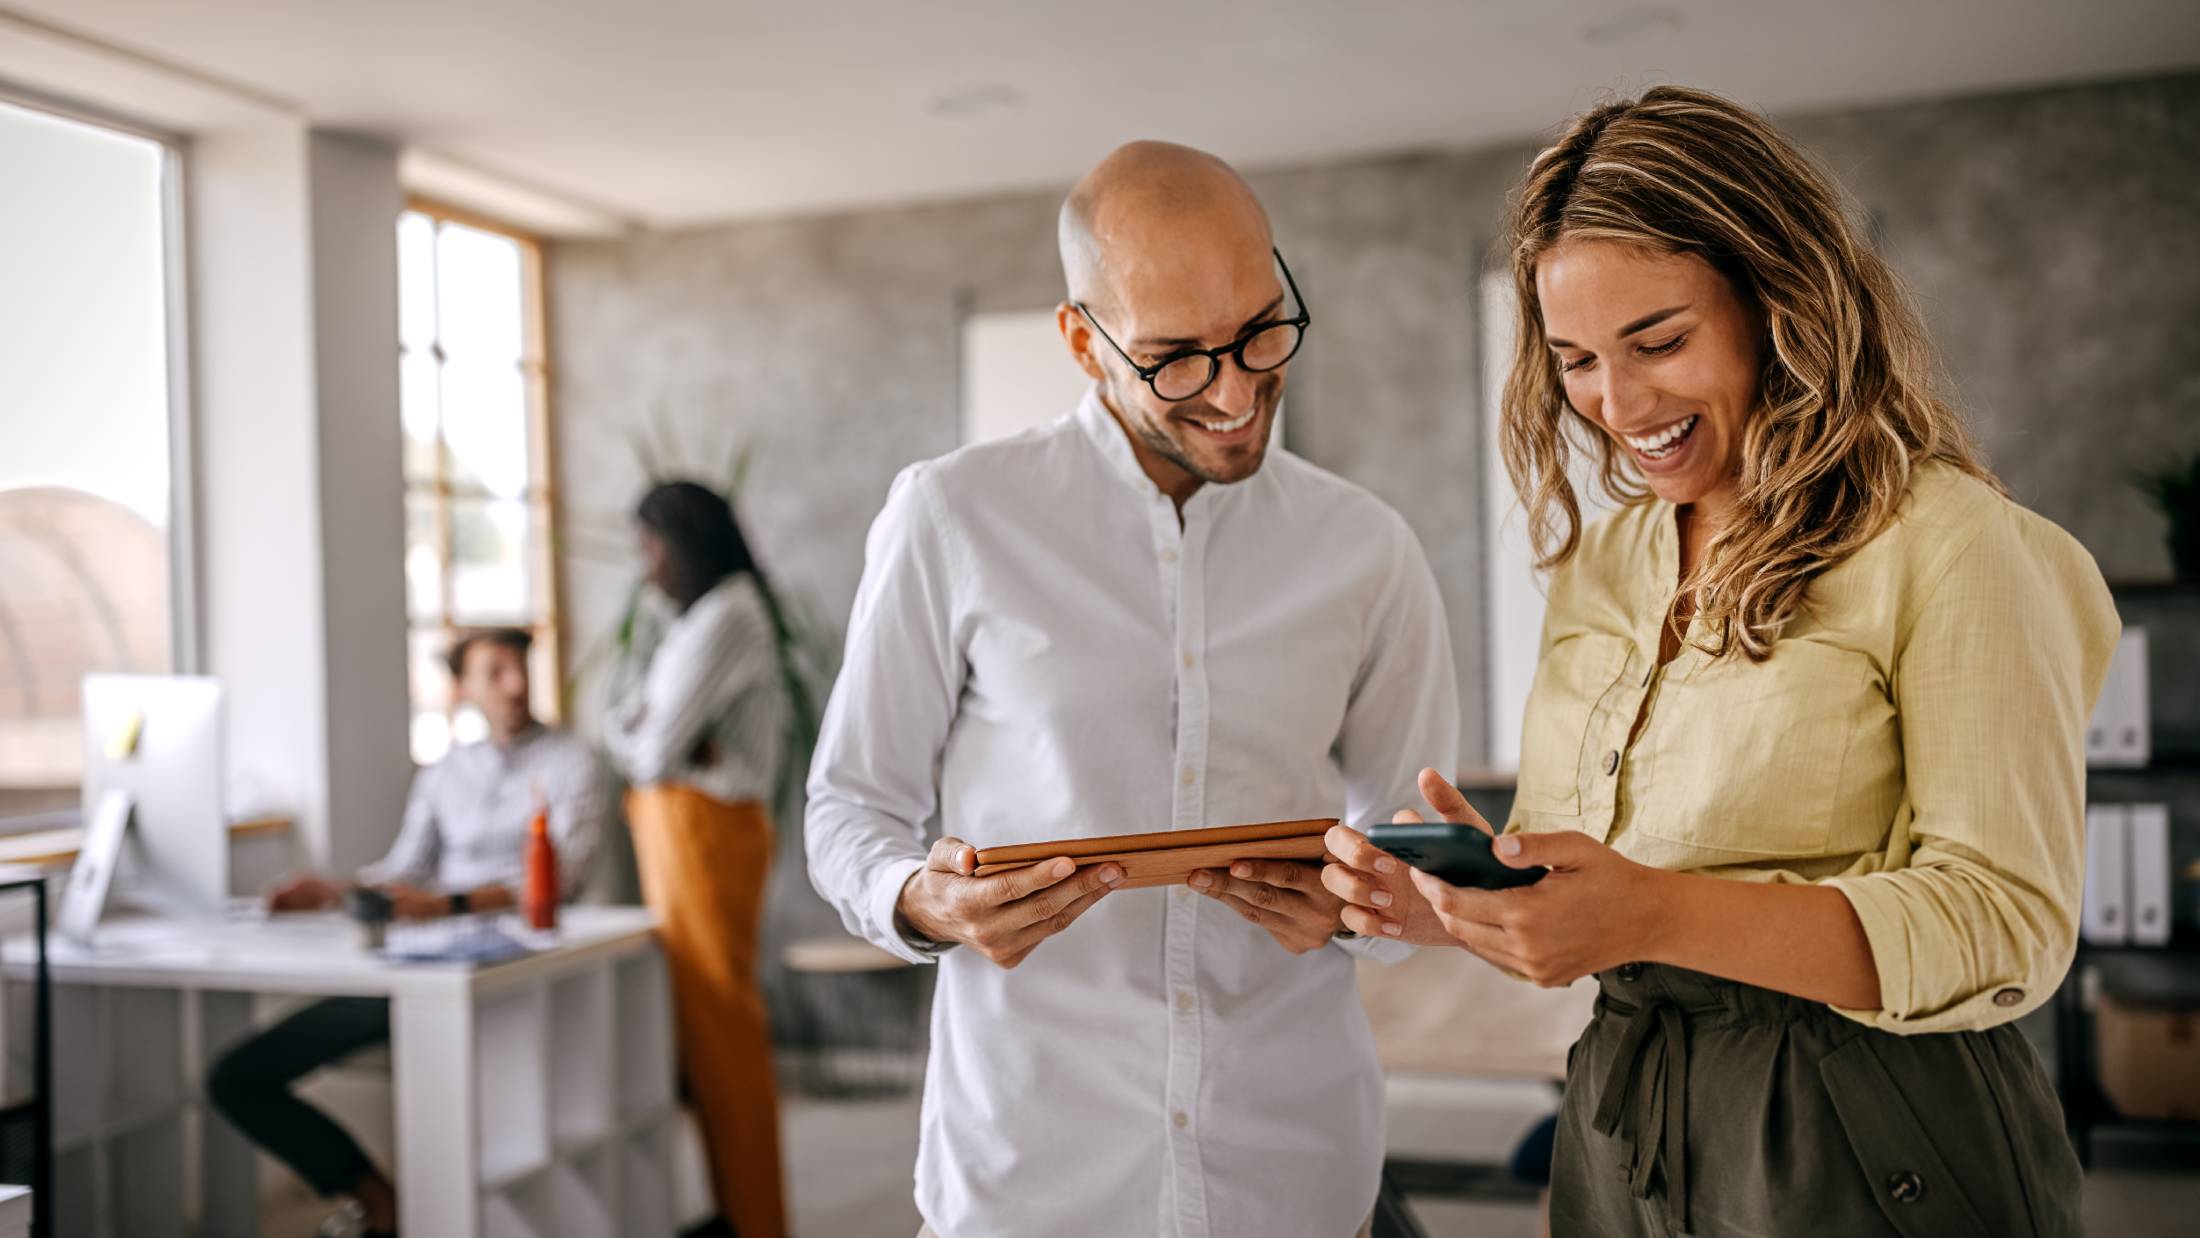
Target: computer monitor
x: 159, y: 738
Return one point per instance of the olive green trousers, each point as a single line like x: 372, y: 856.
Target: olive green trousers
x: 1699, y: 1106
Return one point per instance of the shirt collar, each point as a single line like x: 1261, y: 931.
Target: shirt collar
x: 1114, y: 444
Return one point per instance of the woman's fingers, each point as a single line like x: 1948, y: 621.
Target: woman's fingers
x: 1449, y: 803
x: 1367, y: 924
x: 1354, y: 887
x: 1351, y: 848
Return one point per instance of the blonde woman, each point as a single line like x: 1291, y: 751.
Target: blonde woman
x: 1804, y: 752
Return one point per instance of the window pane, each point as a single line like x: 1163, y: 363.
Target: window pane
x: 485, y: 427
x: 416, y: 282
x: 423, y: 559
x: 84, y: 467
x: 418, y: 403
x: 431, y: 695
x: 479, y: 294
x: 496, y: 549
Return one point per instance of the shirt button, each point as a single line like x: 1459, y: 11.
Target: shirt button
x: 1168, y: 556
x: 1611, y: 761
x: 1906, y: 1187
x: 2008, y: 997
x: 1181, y: 1118
x: 1190, y: 778
x: 1183, y: 1001
x: 1184, y: 891
x: 1189, y: 660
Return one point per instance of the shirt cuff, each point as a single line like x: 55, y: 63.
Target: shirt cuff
x: 885, y: 898
x: 1880, y: 909
x: 1380, y: 949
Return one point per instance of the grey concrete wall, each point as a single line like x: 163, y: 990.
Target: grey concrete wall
x: 2049, y: 236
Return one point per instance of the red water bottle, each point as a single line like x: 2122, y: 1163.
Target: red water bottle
x: 539, y: 901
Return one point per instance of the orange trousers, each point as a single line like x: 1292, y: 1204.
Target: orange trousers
x: 703, y: 864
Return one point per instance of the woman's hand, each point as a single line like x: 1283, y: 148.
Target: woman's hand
x: 1379, y: 899
x: 1595, y: 910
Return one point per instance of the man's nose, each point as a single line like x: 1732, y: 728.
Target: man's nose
x: 1234, y: 389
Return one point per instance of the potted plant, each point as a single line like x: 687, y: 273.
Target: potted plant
x: 2175, y: 492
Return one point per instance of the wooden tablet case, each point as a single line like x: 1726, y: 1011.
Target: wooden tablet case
x: 1170, y: 856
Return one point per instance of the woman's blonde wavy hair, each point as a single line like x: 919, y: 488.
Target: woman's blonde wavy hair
x: 1846, y: 406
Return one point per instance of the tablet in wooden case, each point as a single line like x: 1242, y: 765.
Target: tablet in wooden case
x: 1168, y: 857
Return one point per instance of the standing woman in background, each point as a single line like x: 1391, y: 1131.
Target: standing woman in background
x: 699, y: 735
x: 1805, y: 750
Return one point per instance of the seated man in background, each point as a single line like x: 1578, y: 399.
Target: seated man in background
x: 460, y: 850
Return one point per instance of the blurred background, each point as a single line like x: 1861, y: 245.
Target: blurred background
x: 329, y: 331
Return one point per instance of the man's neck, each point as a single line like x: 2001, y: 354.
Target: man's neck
x: 505, y: 739
x: 1167, y: 475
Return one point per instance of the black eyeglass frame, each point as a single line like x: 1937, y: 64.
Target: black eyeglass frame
x: 1234, y: 350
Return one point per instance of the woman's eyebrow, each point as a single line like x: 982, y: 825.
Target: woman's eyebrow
x: 1643, y: 323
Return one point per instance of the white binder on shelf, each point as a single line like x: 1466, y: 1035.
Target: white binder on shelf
x: 2151, y: 914
x: 2119, y: 735
x: 2105, y: 919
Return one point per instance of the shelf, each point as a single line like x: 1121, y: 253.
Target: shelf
x: 583, y: 1077
x: 2163, y: 761
x: 511, y: 1085
x: 645, y: 1183
x: 642, y: 1014
x: 2154, y: 588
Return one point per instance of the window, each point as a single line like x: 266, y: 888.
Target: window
x: 478, y: 502
x: 88, y: 565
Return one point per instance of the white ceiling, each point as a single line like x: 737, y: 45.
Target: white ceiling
x: 675, y: 112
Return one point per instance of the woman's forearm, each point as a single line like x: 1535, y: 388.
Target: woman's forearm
x: 1798, y: 939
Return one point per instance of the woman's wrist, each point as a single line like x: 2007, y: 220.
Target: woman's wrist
x: 1661, y: 916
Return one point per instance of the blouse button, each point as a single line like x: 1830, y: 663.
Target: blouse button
x: 2008, y: 997
x: 1611, y: 761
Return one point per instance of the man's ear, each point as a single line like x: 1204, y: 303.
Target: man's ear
x: 1077, y: 334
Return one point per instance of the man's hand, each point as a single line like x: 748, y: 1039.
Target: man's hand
x: 1283, y: 896
x: 305, y: 892
x: 1003, y: 917
x: 1384, y: 902
x: 413, y: 903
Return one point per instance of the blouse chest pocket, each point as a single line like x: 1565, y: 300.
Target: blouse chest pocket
x: 1575, y: 675
x: 1749, y: 759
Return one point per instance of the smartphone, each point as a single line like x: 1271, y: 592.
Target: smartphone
x: 1459, y: 854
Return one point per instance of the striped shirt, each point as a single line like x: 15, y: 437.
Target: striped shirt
x: 709, y: 711
x: 467, y: 816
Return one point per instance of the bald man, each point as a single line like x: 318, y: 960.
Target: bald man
x: 1139, y: 618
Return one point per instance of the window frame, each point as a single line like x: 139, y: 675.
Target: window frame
x: 548, y: 627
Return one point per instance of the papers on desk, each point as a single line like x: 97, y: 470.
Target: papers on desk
x: 466, y: 940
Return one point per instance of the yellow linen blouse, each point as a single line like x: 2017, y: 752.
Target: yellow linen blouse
x: 1916, y: 740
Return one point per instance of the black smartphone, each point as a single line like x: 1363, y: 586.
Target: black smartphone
x: 1459, y: 854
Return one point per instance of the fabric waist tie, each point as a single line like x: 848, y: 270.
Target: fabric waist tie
x: 1648, y: 1082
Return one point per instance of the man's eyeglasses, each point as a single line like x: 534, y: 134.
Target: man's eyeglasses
x: 1182, y: 375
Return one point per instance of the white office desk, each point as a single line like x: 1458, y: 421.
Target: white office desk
x: 534, y: 1098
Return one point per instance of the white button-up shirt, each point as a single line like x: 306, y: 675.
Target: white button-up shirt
x: 1039, y: 649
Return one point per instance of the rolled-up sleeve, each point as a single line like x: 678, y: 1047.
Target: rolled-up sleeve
x: 873, y: 781
x: 1973, y: 921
